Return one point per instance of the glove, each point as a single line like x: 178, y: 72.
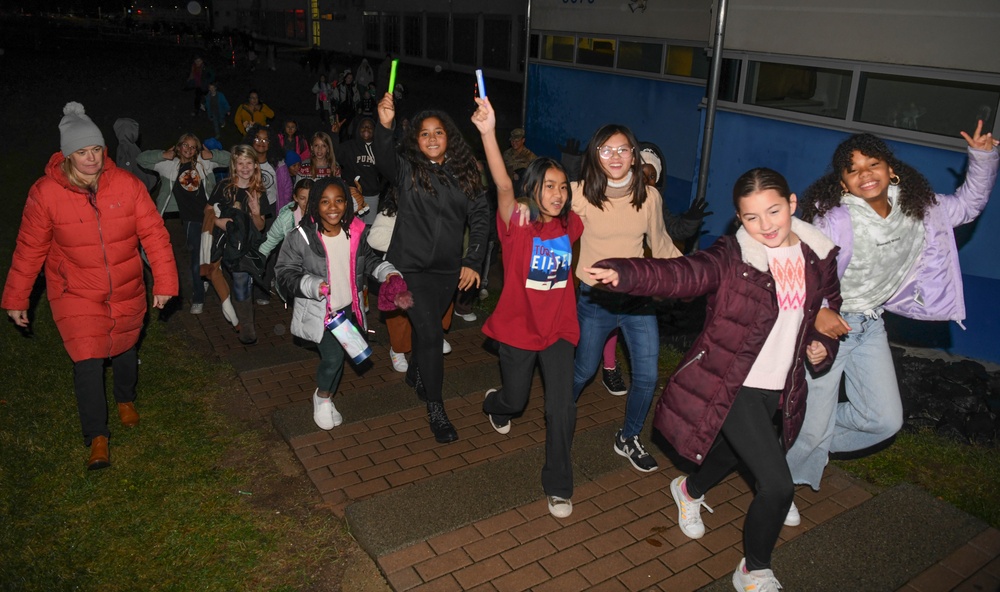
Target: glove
x: 394, y: 294
x: 696, y: 212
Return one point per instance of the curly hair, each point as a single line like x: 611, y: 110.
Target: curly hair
x: 275, y: 153
x: 534, y: 183
x: 459, y: 162
x: 316, y: 193
x: 595, y: 180
x: 915, y: 192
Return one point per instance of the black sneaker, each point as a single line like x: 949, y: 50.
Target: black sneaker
x: 632, y: 449
x: 613, y: 381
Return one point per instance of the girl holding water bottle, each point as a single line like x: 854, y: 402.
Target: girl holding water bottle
x: 322, y: 265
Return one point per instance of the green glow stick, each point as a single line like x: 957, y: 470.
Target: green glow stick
x: 392, y: 76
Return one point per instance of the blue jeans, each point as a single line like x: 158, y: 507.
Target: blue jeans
x: 872, y: 413
x: 192, y: 234
x: 600, y: 312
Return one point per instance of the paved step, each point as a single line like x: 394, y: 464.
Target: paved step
x: 880, y: 545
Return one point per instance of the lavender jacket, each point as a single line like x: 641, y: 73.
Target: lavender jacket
x: 933, y: 289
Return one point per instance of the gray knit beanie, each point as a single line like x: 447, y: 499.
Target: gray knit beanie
x: 76, y: 130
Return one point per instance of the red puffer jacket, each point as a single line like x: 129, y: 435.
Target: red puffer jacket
x: 90, y: 247
x: 742, y: 309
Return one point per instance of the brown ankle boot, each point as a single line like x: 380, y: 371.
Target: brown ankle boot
x: 128, y: 414
x: 100, y: 457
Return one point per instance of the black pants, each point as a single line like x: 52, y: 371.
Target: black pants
x: 517, y: 367
x: 432, y: 294
x: 88, y: 382
x: 748, y: 434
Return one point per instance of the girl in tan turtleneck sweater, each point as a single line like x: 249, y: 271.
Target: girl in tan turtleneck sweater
x: 619, y: 212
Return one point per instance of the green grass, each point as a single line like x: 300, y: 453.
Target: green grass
x: 966, y: 476
x: 172, y: 513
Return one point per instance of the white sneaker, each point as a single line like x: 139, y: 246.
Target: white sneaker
x: 793, y: 518
x: 758, y: 580
x: 197, y: 308
x: 445, y: 346
x: 688, y: 511
x: 560, y: 507
x: 325, y: 414
x: 399, y: 363
x: 502, y: 429
x: 468, y: 317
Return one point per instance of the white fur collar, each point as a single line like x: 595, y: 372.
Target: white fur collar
x: 755, y: 255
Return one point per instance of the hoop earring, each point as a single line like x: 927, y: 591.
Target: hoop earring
x: 844, y: 193
x: 894, y: 180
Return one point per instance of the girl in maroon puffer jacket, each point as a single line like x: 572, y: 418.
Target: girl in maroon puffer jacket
x: 765, y: 287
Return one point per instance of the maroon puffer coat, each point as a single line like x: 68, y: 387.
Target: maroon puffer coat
x: 90, y: 247
x: 742, y: 309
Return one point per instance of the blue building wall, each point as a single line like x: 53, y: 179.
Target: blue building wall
x: 569, y: 103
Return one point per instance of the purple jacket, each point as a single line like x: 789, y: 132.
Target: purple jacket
x: 742, y: 309
x: 933, y: 289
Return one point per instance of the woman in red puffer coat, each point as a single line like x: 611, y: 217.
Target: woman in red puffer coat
x: 84, y: 220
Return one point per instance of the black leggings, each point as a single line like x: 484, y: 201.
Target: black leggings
x: 432, y: 295
x: 748, y: 435
x: 91, y: 400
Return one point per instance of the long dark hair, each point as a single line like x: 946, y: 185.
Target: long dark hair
x: 595, y: 181
x: 387, y: 203
x: 915, y: 192
x: 316, y: 193
x: 534, y: 183
x: 459, y: 161
x: 759, y: 179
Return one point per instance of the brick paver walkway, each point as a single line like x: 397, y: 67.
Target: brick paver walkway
x: 622, y: 534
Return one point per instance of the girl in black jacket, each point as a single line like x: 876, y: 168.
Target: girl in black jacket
x: 440, y: 192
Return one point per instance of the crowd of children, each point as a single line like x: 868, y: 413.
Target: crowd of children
x: 401, y: 207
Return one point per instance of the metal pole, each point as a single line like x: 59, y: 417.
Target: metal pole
x: 527, y: 54
x: 713, y: 94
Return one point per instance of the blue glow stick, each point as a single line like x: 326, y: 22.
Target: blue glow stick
x: 482, y: 85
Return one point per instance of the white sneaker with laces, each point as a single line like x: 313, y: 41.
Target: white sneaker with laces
x: 445, y: 346
x: 560, y: 507
x: 793, y: 518
x: 758, y: 580
x: 399, y: 363
x: 688, y: 510
x: 501, y: 429
x: 325, y: 414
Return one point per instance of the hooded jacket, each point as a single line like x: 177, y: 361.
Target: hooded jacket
x: 742, y: 308
x: 429, y: 228
x: 302, y: 267
x: 127, y: 155
x: 932, y: 291
x: 89, y: 245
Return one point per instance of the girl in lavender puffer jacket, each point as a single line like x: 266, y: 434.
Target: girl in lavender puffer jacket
x: 898, y: 253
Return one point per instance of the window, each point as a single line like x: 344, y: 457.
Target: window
x: 593, y: 51
x: 373, y: 26
x: 496, y: 43
x: 465, y: 40
x: 683, y: 60
x: 804, y: 89
x: 641, y: 57
x: 390, y: 33
x: 413, y: 36
x: 940, y: 107
x: 437, y: 43
x: 558, y: 48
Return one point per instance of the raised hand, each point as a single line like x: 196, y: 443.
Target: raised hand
x: 979, y: 140
x: 697, y: 210
x: 387, y: 110
x: 484, y: 118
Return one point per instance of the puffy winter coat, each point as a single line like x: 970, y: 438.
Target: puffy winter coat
x: 89, y: 245
x: 742, y: 309
x: 933, y: 289
x: 302, y: 267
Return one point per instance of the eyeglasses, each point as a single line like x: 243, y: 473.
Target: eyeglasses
x: 262, y: 140
x: 607, y: 152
